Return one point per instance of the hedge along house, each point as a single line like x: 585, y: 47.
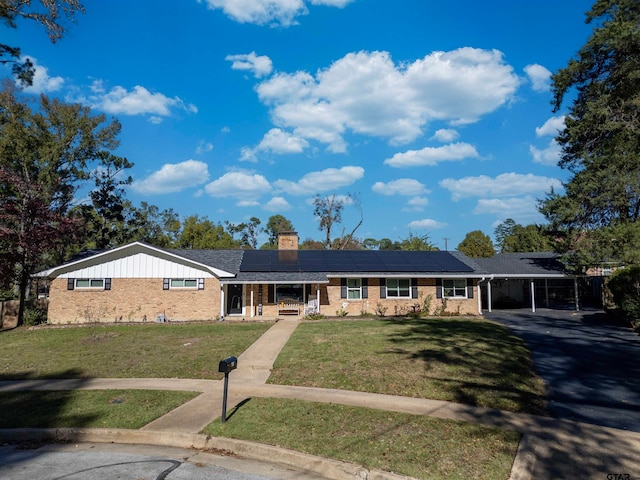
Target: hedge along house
x: 139, y: 282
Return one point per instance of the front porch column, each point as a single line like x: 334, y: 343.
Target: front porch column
x: 318, y: 297
x: 479, y: 299
x: 221, y: 300
x: 251, y: 301
x: 533, y: 296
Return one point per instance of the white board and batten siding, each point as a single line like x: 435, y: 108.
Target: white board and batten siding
x: 139, y: 265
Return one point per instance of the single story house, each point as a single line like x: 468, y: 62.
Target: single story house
x: 139, y: 282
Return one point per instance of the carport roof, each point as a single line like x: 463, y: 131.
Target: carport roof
x: 528, y: 264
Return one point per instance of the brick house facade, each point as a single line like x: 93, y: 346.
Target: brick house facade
x: 138, y: 283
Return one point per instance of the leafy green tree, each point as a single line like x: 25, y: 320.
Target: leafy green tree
x: 105, y: 218
x: 202, y: 233
x: 503, y: 232
x: 476, y: 244
x: 45, y: 156
x: 388, y: 244
x: 248, y: 232
x: 512, y: 237
x: 48, y: 14
x: 275, y: 225
x: 600, y: 144
x: 417, y: 243
x: 150, y: 225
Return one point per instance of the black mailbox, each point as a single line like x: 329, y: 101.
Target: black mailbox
x: 228, y: 364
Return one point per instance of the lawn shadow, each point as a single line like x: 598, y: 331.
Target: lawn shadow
x: 29, y: 402
x: 490, y: 363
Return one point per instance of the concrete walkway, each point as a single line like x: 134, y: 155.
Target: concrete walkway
x: 550, y: 448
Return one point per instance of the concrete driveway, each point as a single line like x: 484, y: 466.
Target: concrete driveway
x: 592, y: 369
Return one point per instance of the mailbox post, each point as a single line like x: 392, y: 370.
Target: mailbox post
x: 225, y: 366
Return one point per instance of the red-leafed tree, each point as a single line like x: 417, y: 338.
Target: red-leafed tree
x: 30, y: 227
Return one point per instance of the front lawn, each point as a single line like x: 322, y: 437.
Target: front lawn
x: 124, y: 351
x: 465, y: 360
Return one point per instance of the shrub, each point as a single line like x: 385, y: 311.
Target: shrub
x: 624, y: 286
x: 34, y: 316
x: 381, y: 310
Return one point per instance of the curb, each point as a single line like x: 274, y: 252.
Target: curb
x: 328, y: 468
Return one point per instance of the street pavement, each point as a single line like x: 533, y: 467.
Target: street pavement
x: 551, y: 448
x: 100, y: 461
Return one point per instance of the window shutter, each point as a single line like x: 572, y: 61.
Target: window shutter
x: 383, y: 288
x: 343, y: 288
x: 201, y: 284
x: 414, y: 288
x: 165, y: 284
x: 365, y: 288
x: 469, y: 287
x: 271, y: 293
x: 71, y: 283
x: 438, y: 288
x: 107, y: 284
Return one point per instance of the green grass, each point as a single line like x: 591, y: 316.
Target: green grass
x: 87, y: 408
x: 417, y: 446
x: 470, y: 361
x: 147, y: 351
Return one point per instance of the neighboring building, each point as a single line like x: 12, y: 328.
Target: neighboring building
x: 139, y: 282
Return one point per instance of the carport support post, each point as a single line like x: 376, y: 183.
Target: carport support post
x: 533, y: 296
x: 575, y: 292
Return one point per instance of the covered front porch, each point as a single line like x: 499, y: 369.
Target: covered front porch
x: 271, y: 300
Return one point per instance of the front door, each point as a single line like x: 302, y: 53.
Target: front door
x: 234, y: 299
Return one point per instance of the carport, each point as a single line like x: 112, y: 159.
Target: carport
x: 532, y: 279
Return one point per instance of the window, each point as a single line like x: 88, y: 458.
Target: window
x: 456, y: 287
x: 97, y: 283
x: 289, y: 292
x: 354, y: 286
x: 399, y: 287
x: 184, y: 283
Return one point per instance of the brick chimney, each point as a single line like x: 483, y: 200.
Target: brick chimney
x: 288, y: 240
x: 288, y: 247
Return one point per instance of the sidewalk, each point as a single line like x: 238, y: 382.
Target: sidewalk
x: 549, y: 449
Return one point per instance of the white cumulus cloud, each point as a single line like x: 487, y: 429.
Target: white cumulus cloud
x: 173, y: 178
x: 42, y: 81
x: 322, y: 181
x: 259, y: 65
x: 523, y: 209
x: 426, y: 224
x: 367, y: 93
x: 244, y: 186
x: 275, y: 141
x: 430, y: 156
x: 551, y: 127
x: 268, y: 12
x: 546, y: 156
x: 402, y: 186
x: 277, y: 204
x: 446, y: 135
x: 539, y: 77
x: 138, y: 101
x: 504, y: 185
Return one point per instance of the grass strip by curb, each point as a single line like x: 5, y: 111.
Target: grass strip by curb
x: 87, y: 408
x: 417, y: 446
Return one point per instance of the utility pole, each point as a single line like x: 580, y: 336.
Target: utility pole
x: 446, y: 244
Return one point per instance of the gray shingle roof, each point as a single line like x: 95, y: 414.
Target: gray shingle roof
x: 522, y: 264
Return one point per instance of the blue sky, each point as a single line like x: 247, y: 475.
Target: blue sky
x: 435, y: 115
